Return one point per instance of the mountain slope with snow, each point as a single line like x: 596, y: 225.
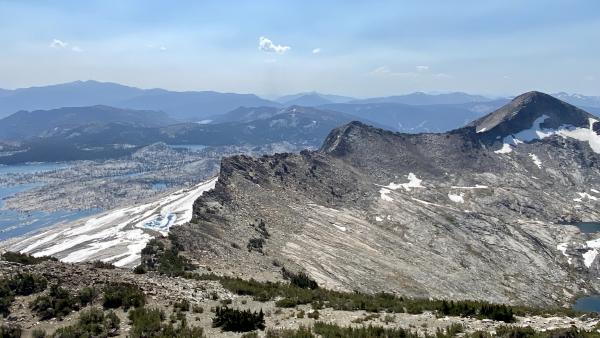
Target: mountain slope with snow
x: 116, y: 236
x: 424, y: 215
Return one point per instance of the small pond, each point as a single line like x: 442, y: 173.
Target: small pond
x: 588, y: 304
x: 588, y: 227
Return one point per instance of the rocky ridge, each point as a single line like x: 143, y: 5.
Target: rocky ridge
x: 427, y: 215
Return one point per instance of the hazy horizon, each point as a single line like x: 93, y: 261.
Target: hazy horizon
x: 274, y: 48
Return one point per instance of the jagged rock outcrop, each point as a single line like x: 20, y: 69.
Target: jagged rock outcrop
x: 459, y: 215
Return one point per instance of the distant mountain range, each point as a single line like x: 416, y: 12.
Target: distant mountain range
x: 25, y: 124
x: 304, y: 127
x: 579, y: 100
x: 420, y: 98
x: 312, y: 99
x: 185, y: 106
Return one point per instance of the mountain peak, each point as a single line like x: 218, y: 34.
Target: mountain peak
x: 525, y: 109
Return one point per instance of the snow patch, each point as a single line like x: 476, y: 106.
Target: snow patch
x: 536, y: 132
x: 457, y: 198
x: 585, y: 195
x: 413, y: 182
x: 536, y: 160
x: 384, y: 194
x: 562, y: 247
x: 504, y: 150
x: 378, y: 219
x: 590, y: 255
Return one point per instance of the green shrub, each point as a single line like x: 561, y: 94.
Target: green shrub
x: 238, y: 320
x: 313, y: 315
x: 87, y: 295
x: 252, y: 334
x: 102, y: 265
x: 22, y: 284
x: 301, y: 279
x: 25, y: 259
x: 146, y: 322
x: 331, y: 330
x: 7, y: 296
x: 91, y: 323
x: 139, y: 269
x: 10, y: 331
x: 38, y: 333
x: 167, y: 261
x: 58, y: 303
x: 302, y: 332
x: 123, y: 295
x: 149, y: 323
x: 182, y: 305
x: 25, y: 284
x: 292, y: 296
x: 197, y: 309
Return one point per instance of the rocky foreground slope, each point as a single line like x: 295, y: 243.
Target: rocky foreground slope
x: 481, y: 212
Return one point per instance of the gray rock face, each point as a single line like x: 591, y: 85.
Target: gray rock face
x: 428, y: 215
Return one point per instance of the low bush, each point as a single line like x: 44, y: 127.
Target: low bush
x: 25, y: 259
x: 10, y: 331
x: 7, y: 296
x: 182, y: 305
x: 287, y: 333
x: 139, y: 269
x: 229, y: 319
x: 91, y: 323
x: 57, y: 303
x: 146, y: 322
x: 25, y: 284
x: 301, y: 279
x: 87, y: 295
x: 102, y: 265
x: 167, y: 261
x: 38, y: 333
x: 149, y: 323
x: 331, y: 330
x: 123, y: 295
x: 22, y: 284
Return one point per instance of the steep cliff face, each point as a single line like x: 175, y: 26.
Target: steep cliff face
x: 472, y: 213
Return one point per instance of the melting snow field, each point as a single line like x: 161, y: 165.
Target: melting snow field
x: 590, y: 255
x: 413, y: 182
x: 536, y: 160
x: 457, y: 198
x: 537, y: 132
x: 116, y: 236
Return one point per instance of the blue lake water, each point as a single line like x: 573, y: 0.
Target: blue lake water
x: 588, y: 304
x: 14, y: 223
x: 189, y: 147
x: 588, y: 227
x: 31, y: 168
x: 158, y: 186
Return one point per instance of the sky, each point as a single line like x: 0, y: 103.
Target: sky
x: 356, y: 48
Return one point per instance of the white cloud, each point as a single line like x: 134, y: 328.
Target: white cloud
x: 162, y: 48
x: 316, y: 51
x: 266, y: 45
x: 56, y: 43
x: 60, y: 44
x: 422, y: 68
x: 384, y: 71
